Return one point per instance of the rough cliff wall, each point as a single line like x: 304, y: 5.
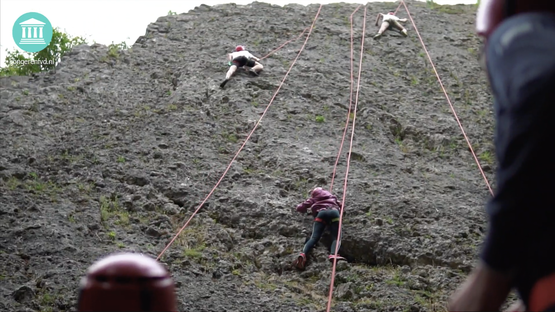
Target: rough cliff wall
x: 114, y: 150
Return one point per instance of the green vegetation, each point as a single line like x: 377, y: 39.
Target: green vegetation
x: 449, y: 9
x: 487, y: 157
x: 110, y: 208
x: 23, y: 63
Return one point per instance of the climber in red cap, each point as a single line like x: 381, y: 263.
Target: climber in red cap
x: 240, y: 58
x: 127, y: 282
x: 325, y: 209
x: 390, y: 20
x: 519, y: 247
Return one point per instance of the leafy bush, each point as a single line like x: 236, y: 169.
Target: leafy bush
x: 24, y: 63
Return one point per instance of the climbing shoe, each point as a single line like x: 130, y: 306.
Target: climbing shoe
x: 377, y: 36
x: 222, y: 85
x: 404, y: 32
x: 300, y: 262
x: 339, y: 258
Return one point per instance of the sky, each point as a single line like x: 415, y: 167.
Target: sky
x: 114, y: 21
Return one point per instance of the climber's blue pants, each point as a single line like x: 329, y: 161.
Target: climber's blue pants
x: 327, y: 217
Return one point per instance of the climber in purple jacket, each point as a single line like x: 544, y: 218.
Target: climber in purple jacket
x: 325, y: 208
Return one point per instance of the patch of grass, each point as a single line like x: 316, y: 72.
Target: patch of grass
x: 266, y: 285
x: 123, y: 218
x: 192, y: 239
x: 402, y: 146
x: 47, y: 299
x: 414, y: 81
x: 397, y: 280
x: 250, y: 170
x: 231, y: 137
x: 320, y: 119
x: 487, y: 157
x: 40, y: 187
x: 112, y: 235
x: 369, y: 303
x: 194, y: 252
x: 12, y: 183
x: 482, y: 112
x: 429, y: 301
x: 71, y: 158
x: 121, y: 159
x: 110, y: 208
x: 85, y: 188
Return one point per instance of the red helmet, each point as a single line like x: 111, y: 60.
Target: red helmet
x: 127, y: 282
x: 239, y: 48
x: 391, y: 13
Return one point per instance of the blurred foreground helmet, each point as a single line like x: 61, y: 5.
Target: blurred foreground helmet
x: 127, y: 282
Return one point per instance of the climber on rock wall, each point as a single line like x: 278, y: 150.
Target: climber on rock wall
x: 389, y: 20
x: 519, y: 248
x: 241, y: 58
x: 325, y: 209
x: 127, y: 282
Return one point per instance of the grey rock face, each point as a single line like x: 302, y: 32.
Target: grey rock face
x: 114, y: 150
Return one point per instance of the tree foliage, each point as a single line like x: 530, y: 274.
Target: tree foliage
x: 23, y: 63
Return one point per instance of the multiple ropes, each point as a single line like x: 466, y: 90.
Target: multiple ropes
x: 351, y: 114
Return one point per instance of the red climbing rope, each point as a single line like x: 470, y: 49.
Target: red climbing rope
x: 348, y: 161
x: 248, y: 137
x: 350, y: 104
x: 448, y: 100
x: 399, y: 6
x: 285, y: 43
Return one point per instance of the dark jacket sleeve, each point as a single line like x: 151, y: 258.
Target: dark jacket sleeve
x: 521, y: 232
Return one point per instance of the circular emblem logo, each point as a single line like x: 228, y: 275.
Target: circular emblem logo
x: 32, y: 32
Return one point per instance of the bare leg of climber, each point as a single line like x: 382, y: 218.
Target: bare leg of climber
x: 400, y: 27
x: 257, y: 67
x: 384, y: 27
x: 230, y: 72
